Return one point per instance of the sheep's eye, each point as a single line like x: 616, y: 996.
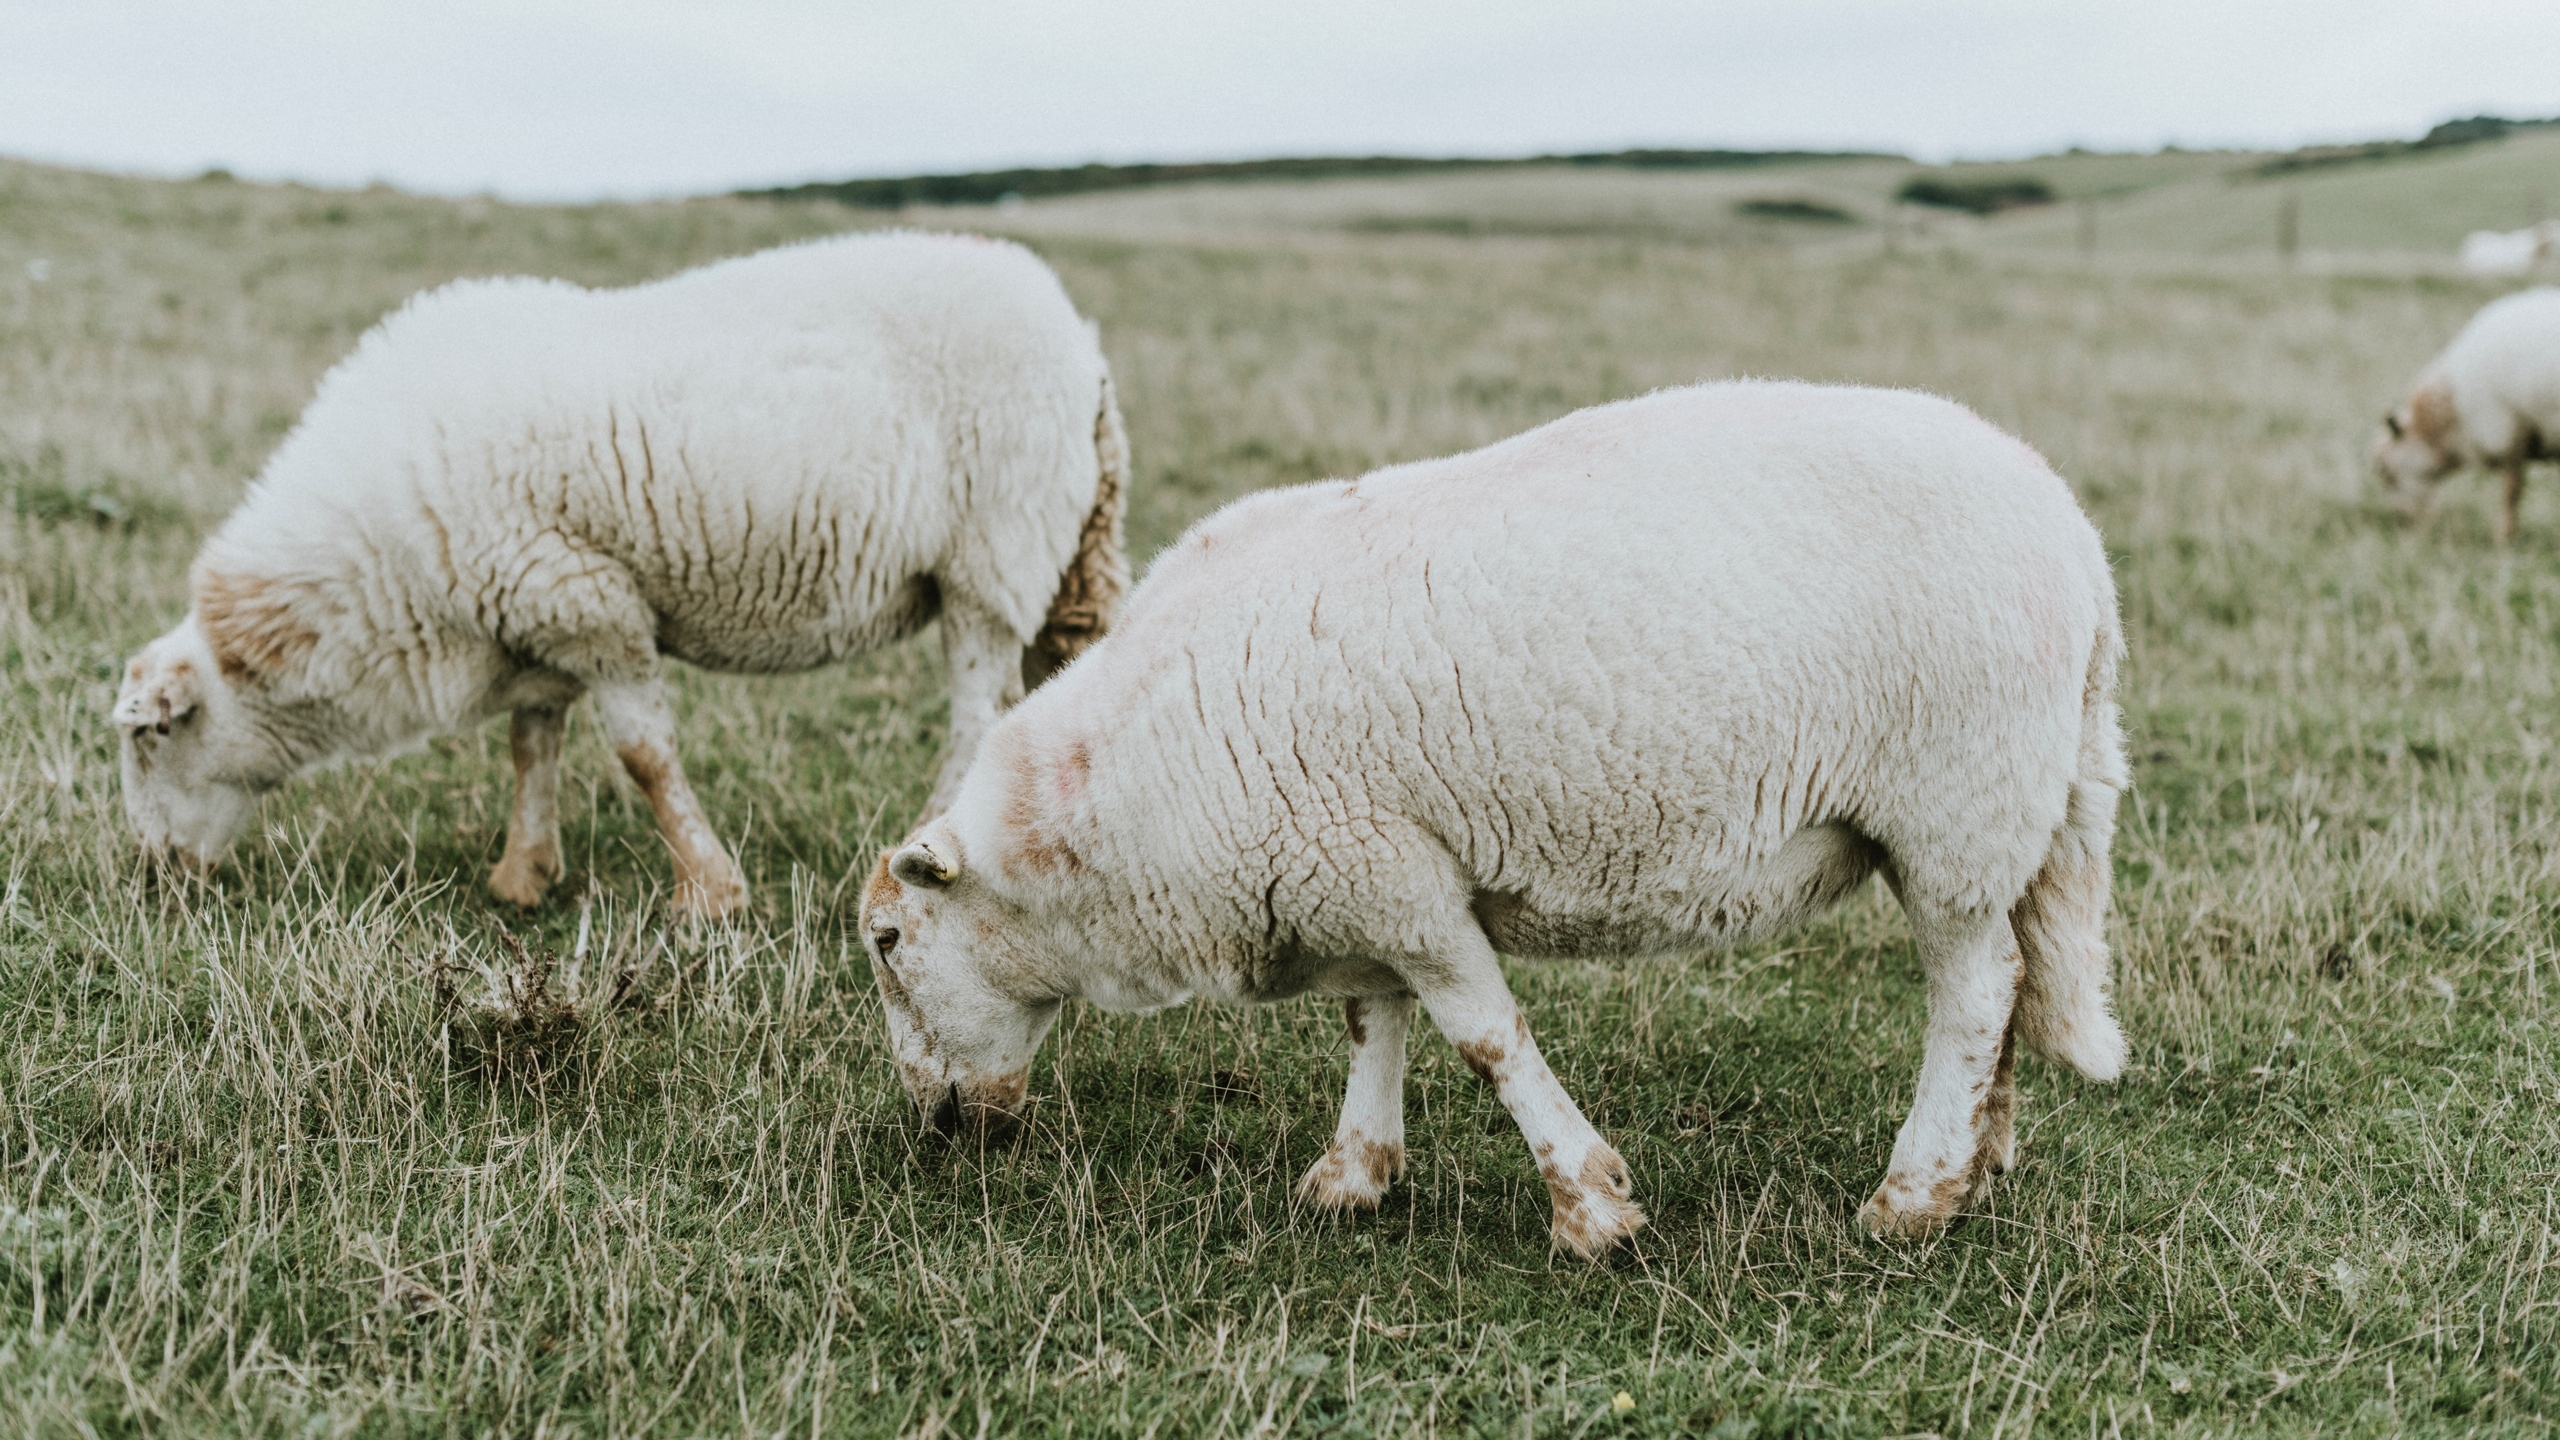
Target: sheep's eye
x: 886, y: 939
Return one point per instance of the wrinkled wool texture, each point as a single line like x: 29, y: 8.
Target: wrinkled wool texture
x: 763, y: 465
x: 1589, y: 682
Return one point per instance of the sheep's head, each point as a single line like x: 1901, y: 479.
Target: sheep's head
x: 193, y: 763
x: 954, y: 962
x: 2418, y: 443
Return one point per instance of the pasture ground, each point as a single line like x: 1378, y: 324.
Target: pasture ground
x: 272, y: 1164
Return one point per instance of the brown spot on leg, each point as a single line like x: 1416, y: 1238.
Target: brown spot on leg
x: 532, y: 860
x: 1896, y: 1210
x: 648, y: 765
x: 1603, y: 1169
x: 1351, y: 1019
x: 708, y: 884
x: 1381, y: 1162
x: 1485, y: 1058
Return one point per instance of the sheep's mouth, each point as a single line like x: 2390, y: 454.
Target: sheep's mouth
x: 952, y: 1114
x: 163, y: 847
x: 167, y: 859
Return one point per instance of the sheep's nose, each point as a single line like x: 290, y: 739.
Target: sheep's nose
x: 946, y: 1116
x: 168, y: 857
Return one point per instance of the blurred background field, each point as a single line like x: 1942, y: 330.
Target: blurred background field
x: 318, y: 1150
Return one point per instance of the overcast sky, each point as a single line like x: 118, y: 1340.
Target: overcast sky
x: 581, y: 98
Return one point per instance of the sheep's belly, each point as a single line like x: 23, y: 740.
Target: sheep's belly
x: 720, y: 639
x: 1810, y: 873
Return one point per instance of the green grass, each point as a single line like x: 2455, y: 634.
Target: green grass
x: 270, y: 1165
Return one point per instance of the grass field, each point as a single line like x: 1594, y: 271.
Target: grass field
x: 269, y: 1165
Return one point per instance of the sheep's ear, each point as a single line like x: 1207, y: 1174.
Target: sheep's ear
x: 157, y: 693
x: 2391, y: 422
x: 921, y: 864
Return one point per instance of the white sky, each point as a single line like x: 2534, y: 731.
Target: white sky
x: 581, y: 98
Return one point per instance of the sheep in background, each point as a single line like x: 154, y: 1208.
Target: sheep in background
x: 2491, y: 399
x: 515, y: 492
x: 1682, y: 670
x: 2509, y: 252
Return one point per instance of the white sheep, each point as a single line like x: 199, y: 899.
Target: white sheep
x: 514, y: 492
x: 1683, y: 670
x: 2491, y: 399
x: 2509, y: 252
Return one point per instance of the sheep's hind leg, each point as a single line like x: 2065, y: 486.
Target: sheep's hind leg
x: 2511, y: 500
x: 1996, y: 1153
x: 984, y: 657
x: 1367, y: 1154
x: 532, y: 861
x: 709, y: 885
x: 1960, y: 1130
x: 1586, y: 1179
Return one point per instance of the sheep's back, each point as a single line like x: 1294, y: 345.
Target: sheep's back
x: 1648, y: 642
x: 2504, y: 369
x: 774, y: 449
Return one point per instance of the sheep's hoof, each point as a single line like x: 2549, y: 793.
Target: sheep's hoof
x: 523, y: 877
x: 711, y: 895
x: 1905, y: 1210
x: 1351, y: 1177
x: 1592, y: 1211
x: 1595, y: 1224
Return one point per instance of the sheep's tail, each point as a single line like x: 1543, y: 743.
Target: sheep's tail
x: 2063, y: 1012
x: 1089, y: 592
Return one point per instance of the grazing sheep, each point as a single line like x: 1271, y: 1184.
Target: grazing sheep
x: 2509, y: 252
x: 1683, y: 670
x: 515, y: 492
x: 2491, y: 399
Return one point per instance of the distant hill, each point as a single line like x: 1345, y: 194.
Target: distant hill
x: 985, y: 187
x: 2416, y: 201
x: 2446, y: 136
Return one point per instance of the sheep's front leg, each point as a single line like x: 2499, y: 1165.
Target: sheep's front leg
x: 2420, y: 505
x: 984, y: 657
x: 1961, y: 1130
x: 2511, y: 500
x: 532, y: 861
x: 643, y: 731
x: 1585, y: 1177
x: 1367, y: 1154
